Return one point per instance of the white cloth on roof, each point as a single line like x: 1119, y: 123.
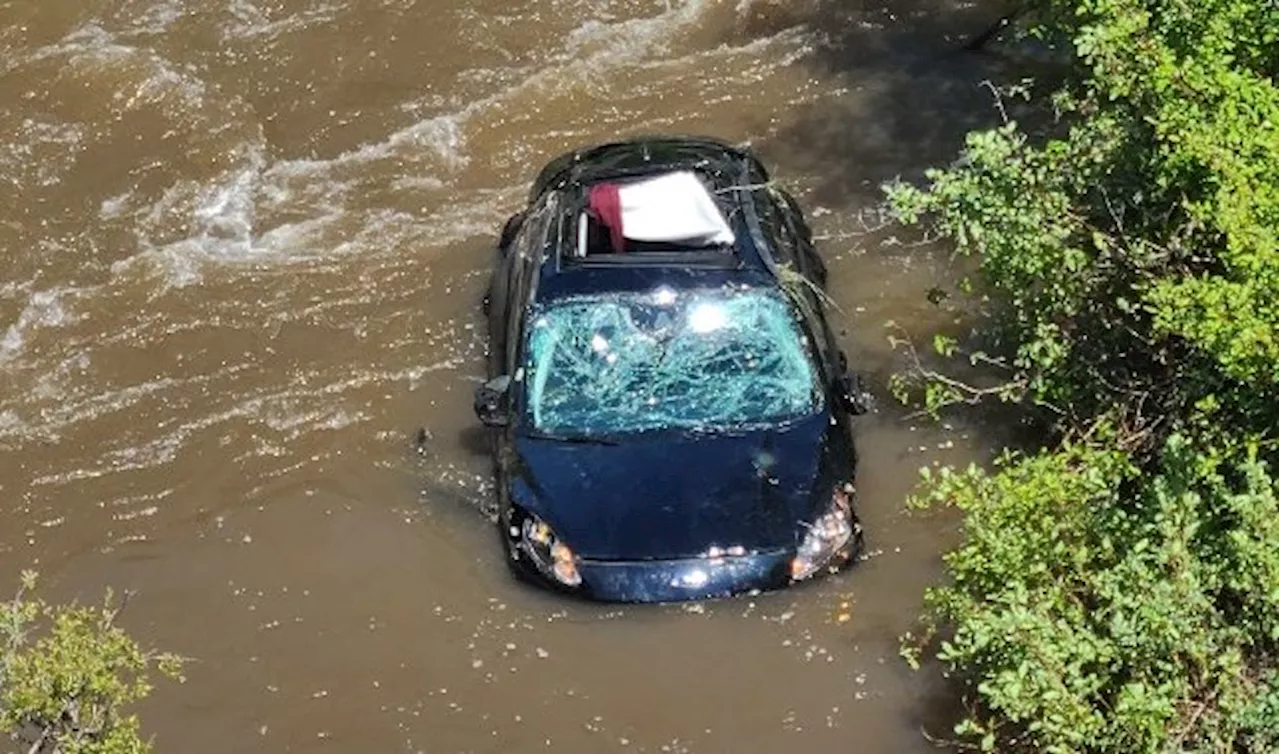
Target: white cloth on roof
x: 674, y: 207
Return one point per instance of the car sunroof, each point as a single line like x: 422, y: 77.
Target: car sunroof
x: 667, y: 217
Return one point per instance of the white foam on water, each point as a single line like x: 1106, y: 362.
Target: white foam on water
x: 146, y: 18
x: 218, y: 213
x: 225, y: 211
x: 43, y: 310
x: 55, y: 403
x: 477, y: 213
x: 225, y: 219
x: 434, y: 140
x: 157, y: 18
x: 146, y: 512
x: 41, y: 152
x: 597, y: 47
x: 251, y: 21
x: 114, y: 206
x: 135, y: 458
x: 12, y: 425
x: 379, y: 231
x: 310, y: 234
x: 75, y: 408
x: 230, y: 220
x: 795, y: 38
x: 417, y: 183
x: 92, y: 51
x: 300, y: 209
x: 285, y: 411
x: 590, y: 49
x: 296, y: 423
x: 440, y: 142
x: 627, y: 40
x: 220, y: 216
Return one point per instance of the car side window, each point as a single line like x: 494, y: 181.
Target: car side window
x: 777, y: 230
x: 508, y: 261
x: 498, y: 298
x: 811, y: 263
x: 527, y: 252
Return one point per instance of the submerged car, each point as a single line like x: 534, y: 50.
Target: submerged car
x: 671, y: 415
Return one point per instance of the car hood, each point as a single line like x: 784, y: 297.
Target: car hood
x: 674, y: 495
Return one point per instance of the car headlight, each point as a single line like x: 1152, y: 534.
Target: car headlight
x: 551, y: 556
x: 827, y: 536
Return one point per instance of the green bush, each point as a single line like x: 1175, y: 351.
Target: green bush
x: 66, y: 675
x: 1092, y: 614
x: 1117, y: 591
x: 1133, y: 255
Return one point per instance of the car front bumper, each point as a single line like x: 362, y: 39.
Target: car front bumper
x: 686, y: 579
x: 682, y: 579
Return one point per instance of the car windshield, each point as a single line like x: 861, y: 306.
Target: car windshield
x: 706, y: 359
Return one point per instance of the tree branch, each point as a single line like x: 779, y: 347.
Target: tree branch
x: 39, y: 743
x: 967, y: 394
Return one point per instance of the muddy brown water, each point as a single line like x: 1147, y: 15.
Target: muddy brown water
x: 241, y: 249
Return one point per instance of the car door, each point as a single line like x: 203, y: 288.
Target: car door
x: 782, y: 242
x: 796, y: 247
x: 506, y: 296
x: 499, y: 304
x: 527, y: 253
x: 811, y: 264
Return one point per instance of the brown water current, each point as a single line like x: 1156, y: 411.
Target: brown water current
x: 242, y: 246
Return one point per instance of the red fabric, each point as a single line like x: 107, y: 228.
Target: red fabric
x: 606, y: 205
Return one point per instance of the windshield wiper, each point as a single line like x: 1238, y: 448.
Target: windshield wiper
x: 577, y: 439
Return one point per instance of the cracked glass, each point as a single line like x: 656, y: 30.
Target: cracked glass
x: 697, y: 360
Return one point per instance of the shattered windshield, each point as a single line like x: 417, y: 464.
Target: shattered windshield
x: 703, y: 359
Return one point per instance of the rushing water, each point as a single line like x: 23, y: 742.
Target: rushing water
x: 241, y: 251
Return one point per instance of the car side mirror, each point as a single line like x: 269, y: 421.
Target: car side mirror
x: 493, y: 401
x: 852, y: 395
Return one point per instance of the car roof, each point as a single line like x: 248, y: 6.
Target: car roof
x: 561, y: 274
x: 721, y: 168
x: 647, y: 155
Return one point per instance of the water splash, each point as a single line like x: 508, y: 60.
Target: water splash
x: 43, y: 309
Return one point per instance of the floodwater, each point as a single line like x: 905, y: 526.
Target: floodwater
x: 242, y: 246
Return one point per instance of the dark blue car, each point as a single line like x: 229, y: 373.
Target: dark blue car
x: 670, y: 413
